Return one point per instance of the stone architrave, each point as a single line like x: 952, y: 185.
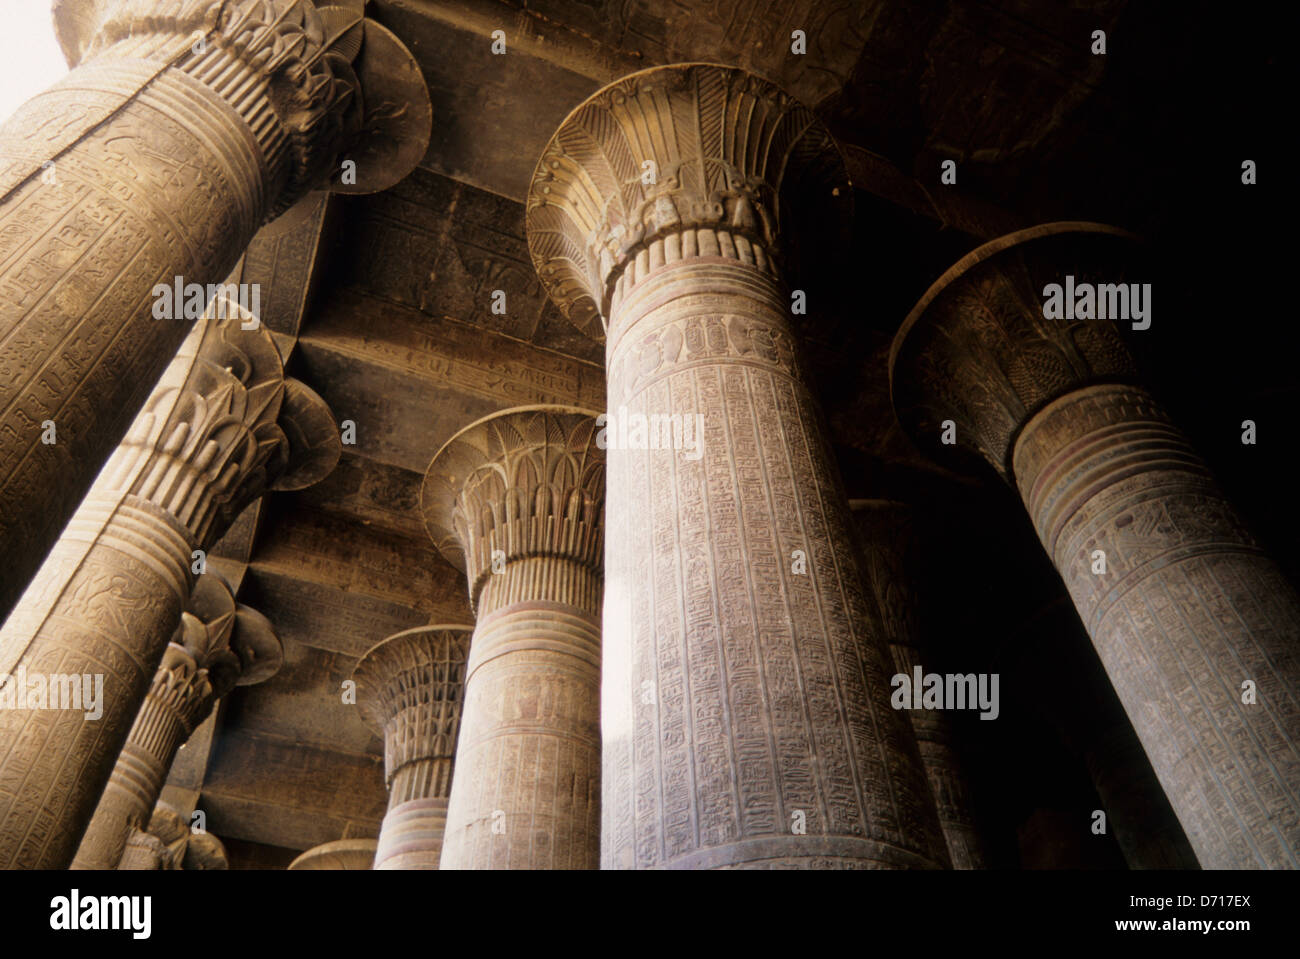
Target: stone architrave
x: 171, y: 843
x: 184, y: 125
x: 219, y: 644
x: 224, y: 426
x: 1197, y: 628
x: 745, y: 710
x: 410, y: 689
x: 886, y: 537
x: 516, y: 501
x: 339, y: 854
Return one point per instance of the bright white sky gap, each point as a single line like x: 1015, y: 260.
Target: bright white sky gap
x: 30, y: 59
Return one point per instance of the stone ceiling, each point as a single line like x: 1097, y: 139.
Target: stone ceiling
x: 381, y: 304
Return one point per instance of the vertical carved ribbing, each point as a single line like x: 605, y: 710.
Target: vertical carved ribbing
x: 516, y: 500
x: 1188, y: 610
x: 410, y: 689
x: 885, y: 535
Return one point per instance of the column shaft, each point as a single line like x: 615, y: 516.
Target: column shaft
x: 117, y: 606
x: 1189, y: 609
x: 1197, y: 628
x: 527, y: 788
x: 769, y: 740
x: 413, y: 828
x: 151, y: 165
x: 222, y: 427
x: 134, y: 785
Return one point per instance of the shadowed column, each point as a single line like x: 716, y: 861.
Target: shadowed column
x: 223, y: 426
x: 218, y: 645
x: 1182, y: 605
x: 885, y: 533
x: 410, y: 688
x: 516, y: 501
x: 184, y: 125
x: 745, y: 711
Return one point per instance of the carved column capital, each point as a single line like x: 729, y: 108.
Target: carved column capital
x: 977, y: 349
x: 410, y: 691
x: 521, y: 484
x: 224, y: 426
x: 313, y: 85
x: 677, y: 162
x: 170, y: 844
x: 339, y: 854
x: 219, y: 644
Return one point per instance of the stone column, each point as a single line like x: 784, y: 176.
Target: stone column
x: 218, y: 645
x: 223, y: 426
x: 516, y: 500
x: 170, y: 843
x: 1078, y: 700
x: 1188, y: 607
x: 339, y: 854
x: 885, y: 534
x: 746, y: 715
x: 184, y: 125
x: 409, y: 689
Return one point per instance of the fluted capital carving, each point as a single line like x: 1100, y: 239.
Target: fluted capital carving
x: 219, y: 644
x: 522, y: 483
x: 339, y: 854
x: 169, y: 843
x: 223, y: 426
x: 976, y: 349
x: 315, y: 85
x: 410, y: 690
x: 734, y: 165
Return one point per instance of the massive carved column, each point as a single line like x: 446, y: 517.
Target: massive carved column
x: 184, y: 126
x: 746, y: 715
x: 1187, y: 607
x: 218, y: 645
x: 516, y: 501
x: 410, y: 689
x: 885, y: 534
x: 223, y: 426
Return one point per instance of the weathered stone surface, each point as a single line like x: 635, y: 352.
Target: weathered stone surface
x: 167, y: 154
x: 222, y: 427
x: 745, y: 705
x: 410, y: 690
x: 169, y: 842
x: 1189, y: 608
x: 516, y: 500
x: 217, y: 645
